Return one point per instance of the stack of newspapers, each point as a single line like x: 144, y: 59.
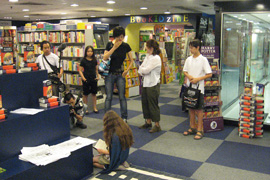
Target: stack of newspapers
x: 45, y: 154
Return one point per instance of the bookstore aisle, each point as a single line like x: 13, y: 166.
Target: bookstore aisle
x: 219, y: 155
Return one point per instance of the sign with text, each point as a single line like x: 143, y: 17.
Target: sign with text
x: 101, y: 27
x: 210, y: 52
x: 160, y: 19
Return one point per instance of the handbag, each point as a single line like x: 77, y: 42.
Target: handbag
x: 191, y: 97
x: 104, y: 67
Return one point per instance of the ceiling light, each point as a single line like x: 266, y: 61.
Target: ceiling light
x: 7, y: 17
x: 38, y: 19
x: 63, y: 13
x: 110, y: 2
x: 109, y: 9
x: 127, y: 14
x: 235, y: 16
x: 242, y: 15
x: 26, y: 16
x: 13, y: 0
x: 143, y: 8
x: 74, y: 5
x: 25, y: 10
x: 167, y: 12
x: 260, y: 6
x: 92, y: 16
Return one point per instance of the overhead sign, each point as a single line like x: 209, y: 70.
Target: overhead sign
x: 101, y: 27
x: 160, y: 19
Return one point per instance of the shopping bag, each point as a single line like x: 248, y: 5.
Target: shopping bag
x: 104, y: 67
x: 191, y: 97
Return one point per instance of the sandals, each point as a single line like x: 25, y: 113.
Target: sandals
x: 190, y: 131
x: 199, y: 135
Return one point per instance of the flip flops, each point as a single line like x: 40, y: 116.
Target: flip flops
x: 199, y: 135
x: 190, y: 131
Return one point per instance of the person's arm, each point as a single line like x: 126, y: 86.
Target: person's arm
x: 103, y: 151
x: 195, y: 80
x: 152, y: 64
x: 130, y: 64
x: 97, y: 78
x: 81, y: 73
x: 107, y: 53
x: 61, y: 73
x: 188, y: 76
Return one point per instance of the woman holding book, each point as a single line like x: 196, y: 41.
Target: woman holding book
x: 118, y: 138
x: 150, y: 71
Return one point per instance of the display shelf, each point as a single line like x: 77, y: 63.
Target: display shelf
x: 132, y: 79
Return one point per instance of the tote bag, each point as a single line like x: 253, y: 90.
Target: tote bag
x: 191, y: 97
x: 104, y: 67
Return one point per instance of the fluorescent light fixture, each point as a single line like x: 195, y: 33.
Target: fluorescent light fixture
x: 110, y: 2
x: 7, y: 17
x: 74, y: 5
x: 143, y: 8
x: 167, y: 12
x: 63, y: 13
x: 92, y: 16
x: 235, y: 16
x: 127, y: 14
x: 25, y: 10
x: 13, y: 0
x: 109, y: 9
x: 26, y: 16
x: 242, y: 15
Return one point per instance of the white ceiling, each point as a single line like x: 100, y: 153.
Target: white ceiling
x: 52, y: 9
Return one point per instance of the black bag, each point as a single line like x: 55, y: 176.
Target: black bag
x: 54, y: 68
x: 191, y: 97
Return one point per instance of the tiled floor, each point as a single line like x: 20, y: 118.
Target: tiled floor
x: 219, y: 155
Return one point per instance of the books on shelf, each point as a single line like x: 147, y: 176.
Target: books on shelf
x: 73, y: 37
x: 71, y: 65
x: 73, y: 51
x: 48, y: 100
x: 73, y: 79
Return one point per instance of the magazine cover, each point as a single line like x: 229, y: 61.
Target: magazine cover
x: 29, y: 54
x: 7, y: 56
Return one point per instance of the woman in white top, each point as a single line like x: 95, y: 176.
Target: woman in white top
x: 150, y: 70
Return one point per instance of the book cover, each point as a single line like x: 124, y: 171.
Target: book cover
x: 7, y: 56
x: 47, y: 88
x: 29, y: 54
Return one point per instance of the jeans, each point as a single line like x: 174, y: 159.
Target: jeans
x: 109, y: 86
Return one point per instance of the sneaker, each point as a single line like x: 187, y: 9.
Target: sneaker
x: 145, y: 126
x: 81, y: 125
x: 155, y: 129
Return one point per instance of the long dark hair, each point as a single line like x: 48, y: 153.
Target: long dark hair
x: 151, y: 43
x: 85, y: 52
x: 113, y: 123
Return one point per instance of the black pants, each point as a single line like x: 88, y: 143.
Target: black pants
x: 150, y: 106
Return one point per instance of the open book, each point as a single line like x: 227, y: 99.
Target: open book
x: 101, y: 145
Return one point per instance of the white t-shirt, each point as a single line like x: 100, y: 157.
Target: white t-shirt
x: 197, y: 67
x: 150, y: 69
x: 52, y: 58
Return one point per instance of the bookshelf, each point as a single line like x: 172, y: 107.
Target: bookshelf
x: 132, y: 79
x: 8, y: 43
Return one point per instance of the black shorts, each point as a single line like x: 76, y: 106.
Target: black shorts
x: 90, y: 87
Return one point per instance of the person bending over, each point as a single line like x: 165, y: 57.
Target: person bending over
x: 76, y: 110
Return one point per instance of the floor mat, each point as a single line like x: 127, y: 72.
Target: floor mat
x: 139, y: 173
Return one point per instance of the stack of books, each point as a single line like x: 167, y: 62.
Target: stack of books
x: 48, y: 100
x: 251, y: 113
x: 8, y: 69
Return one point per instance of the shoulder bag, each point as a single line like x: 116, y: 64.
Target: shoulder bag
x: 191, y: 97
